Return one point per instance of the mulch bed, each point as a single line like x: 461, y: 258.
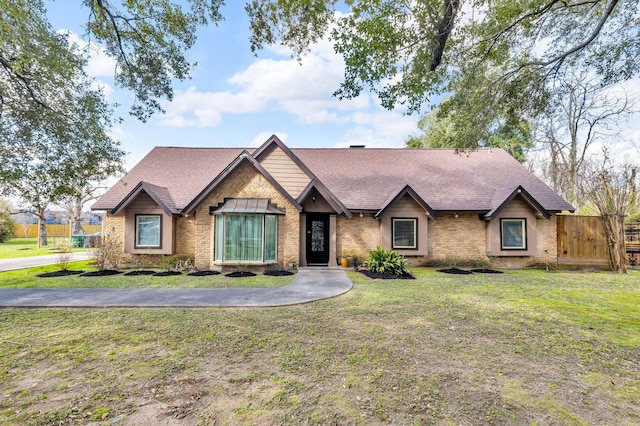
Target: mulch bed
x: 204, y: 273
x: 456, y: 271
x: 167, y: 273
x: 58, y: 274
x: 104, y: 273
x: 375, y: 275
x: 486, y: 271
x: 278, y: 273
x: 240, y: 274
x: 139, y: 272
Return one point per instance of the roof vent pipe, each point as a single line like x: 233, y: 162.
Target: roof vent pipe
x: 356, y: 146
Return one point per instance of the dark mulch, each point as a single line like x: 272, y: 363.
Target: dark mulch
x: 375, y: 275
x: 139, y: 272
x: 278, y: 273
x: 104, y: 273
x: 240, y: 274
x: 455, y: 271
x: 167, y: 273
x: 58, y: 274
x: 25, y: 248
x: 486, y: 271
x: 204, y: 273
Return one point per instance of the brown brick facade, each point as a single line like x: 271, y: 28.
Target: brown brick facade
x: 357, y: 236
x: 246, y: 182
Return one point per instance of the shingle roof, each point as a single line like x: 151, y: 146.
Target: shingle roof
x: 447, y: 181
x: 184, y: 172
x: 361, y: 179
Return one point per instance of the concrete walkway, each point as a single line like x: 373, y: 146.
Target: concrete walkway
x: 33, y: 261
x: 308, y: 285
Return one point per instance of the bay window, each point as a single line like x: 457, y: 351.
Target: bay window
x: 246, y: 238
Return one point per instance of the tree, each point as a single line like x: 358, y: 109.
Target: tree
x: 47, y: 161
x: 497, y: 52
x: 612, y: 189
x: 7, y: 225
x: 147, y: 39
x: 582, y: 112
x: 445, y: 130
x: 75, y: 202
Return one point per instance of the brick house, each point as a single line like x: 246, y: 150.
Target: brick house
x: 278, y: 206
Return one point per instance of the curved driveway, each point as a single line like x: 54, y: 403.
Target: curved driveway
x: 307, y: 286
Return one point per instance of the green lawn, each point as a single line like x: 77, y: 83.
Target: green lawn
x: 524, y: 347
x: 27, y: 247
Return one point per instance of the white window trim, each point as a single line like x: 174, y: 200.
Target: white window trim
x: 523, y: 221
x: 137, y: 231
x: 414, y: 220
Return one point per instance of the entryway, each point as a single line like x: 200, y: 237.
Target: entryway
x: 317, y: 239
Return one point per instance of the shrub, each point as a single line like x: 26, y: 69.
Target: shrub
x: 7, y: 227
x: 108, y: 254
x: 388, y: 262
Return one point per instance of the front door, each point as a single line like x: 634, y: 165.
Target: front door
x: 317, y: 239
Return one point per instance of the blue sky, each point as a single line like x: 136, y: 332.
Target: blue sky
x: 237, y: 99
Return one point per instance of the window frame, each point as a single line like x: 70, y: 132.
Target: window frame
x: 415, y: 233
x: 523, y: 222
x: 221, y: 239
x: 137, y: 231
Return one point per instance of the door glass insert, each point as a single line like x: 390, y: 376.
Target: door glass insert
x: 317, y: 235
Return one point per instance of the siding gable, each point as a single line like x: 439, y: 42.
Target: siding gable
x: 285, y: 171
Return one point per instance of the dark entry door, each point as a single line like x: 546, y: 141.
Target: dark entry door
x: 317, y: 239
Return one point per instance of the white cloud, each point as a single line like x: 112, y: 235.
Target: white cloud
x: 99, y: 64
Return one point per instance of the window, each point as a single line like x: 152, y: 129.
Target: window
x: 148, y: 230
x: 246, y: 238
x: 513, y: 234
x: 404, y: 233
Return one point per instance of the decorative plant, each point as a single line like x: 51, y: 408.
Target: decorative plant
x: 388, y: 262
x: 108, y: 254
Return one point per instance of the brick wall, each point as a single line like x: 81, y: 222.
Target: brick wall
x: 246, y: 182
x: 114, y: 225
x: 357, y: 235
x: 185, y: 234
x: 462, y: 237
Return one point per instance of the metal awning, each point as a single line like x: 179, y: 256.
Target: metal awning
x: 246, y: 206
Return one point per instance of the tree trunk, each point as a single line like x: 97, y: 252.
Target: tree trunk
x: 42, y: 228
x: 614, y: 229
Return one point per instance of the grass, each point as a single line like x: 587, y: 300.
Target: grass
x: 525, y: 347
x: 26, y: 278
x: 28, y: 247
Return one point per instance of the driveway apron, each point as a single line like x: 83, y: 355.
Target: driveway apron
x: 308, y: 285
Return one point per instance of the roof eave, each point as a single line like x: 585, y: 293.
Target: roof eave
x: 240, y: 159
x: 407, y: 190
x: 135, y: 192
x: 526, y: 196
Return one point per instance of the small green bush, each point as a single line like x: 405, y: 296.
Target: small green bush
x: 388, y: 262
x: 7, y: 227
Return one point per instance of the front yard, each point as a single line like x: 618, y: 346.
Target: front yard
x: 524, y: 347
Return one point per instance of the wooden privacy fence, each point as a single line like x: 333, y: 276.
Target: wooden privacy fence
x: 31, y: 231
x: 582, y: 241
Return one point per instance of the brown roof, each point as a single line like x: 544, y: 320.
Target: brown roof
x: 361, y: 179
x: 184, y: 172
x: 477, y: 181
